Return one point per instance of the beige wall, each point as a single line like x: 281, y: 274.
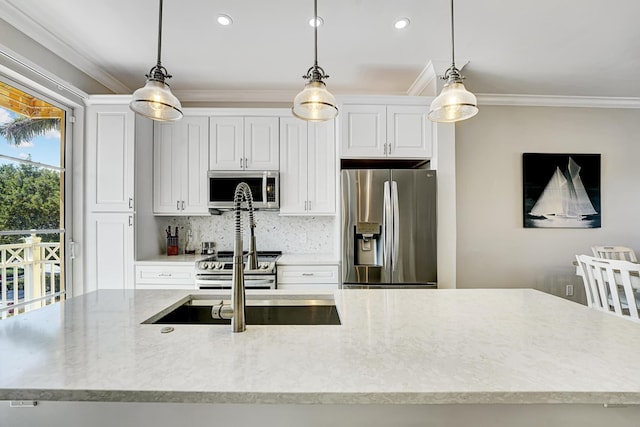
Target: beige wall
x: 493, y: 248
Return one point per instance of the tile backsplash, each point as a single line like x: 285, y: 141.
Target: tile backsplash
x: 289, y: 234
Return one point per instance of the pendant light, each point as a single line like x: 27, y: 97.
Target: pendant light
x: 155, y: 99
x: 315, y: 103
x: 454, y: 103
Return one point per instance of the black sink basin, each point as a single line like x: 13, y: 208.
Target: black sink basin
x: 261, y: 312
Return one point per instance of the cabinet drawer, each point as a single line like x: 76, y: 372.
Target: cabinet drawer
x: 165, y: 275
x: 299, y: 274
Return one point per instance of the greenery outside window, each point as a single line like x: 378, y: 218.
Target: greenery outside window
x: 32, y: 177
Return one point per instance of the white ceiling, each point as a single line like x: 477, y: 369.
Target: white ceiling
x: 541, y: 47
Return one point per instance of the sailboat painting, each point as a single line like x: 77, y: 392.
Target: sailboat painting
x: 561, y: 190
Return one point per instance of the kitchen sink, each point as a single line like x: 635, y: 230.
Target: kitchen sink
x: 196, y: 310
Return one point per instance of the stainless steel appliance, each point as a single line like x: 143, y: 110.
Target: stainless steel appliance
x: 389, y: 228
x: 215, y: 272
x: 264, y: 185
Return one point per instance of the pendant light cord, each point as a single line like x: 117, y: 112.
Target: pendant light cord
x: 315, y: 31
x: 453, y: 45
x: 160, y: 32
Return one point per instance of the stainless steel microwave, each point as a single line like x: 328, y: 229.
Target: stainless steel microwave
x: 264, y: 185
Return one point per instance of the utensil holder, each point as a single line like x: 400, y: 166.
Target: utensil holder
x: 172, y: 245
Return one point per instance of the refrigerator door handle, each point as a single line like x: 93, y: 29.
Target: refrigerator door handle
x: 386, y: 218
x: 396, y: 224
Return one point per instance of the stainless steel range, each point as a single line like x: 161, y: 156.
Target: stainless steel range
x: 215, y: 272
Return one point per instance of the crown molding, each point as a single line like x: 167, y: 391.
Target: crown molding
x: 557, y: 101
x: 11, y: 13
x: 425, y: 82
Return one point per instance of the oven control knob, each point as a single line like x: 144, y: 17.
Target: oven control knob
x: 219, y: 266
x: 202, y: 266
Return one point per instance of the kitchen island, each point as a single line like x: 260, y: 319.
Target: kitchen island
x: 508, y: 355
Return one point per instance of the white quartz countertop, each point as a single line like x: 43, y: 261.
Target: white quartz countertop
x: 308, y: 259
x: 393, y: 347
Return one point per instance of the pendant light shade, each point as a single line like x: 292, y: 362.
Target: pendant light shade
x: 155, y: 99
x: 315, y: 103
x: 455, y: 102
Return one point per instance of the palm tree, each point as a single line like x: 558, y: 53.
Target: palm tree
x: 24, y: 129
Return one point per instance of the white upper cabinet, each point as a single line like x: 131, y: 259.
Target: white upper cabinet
x: 307, y: 167
x: 110, y: 158
x: 181, y: 161
x: 385, y: 131
x: 409, y: 132
x: 364, y: 131
x: 243, y: 143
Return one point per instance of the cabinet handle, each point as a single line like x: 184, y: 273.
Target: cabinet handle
x: 389, y: 149
x: 307, y: 274
x: 305, y: 205
x: 177, y: 205
x: 183, y: 205
x: 245, y: 162
x: 164, y: 275
x: 240, y: 162
x: 309, y: 204
x: 130, y: 202
x: 130, y: 220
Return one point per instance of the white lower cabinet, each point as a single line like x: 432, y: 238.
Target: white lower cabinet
x: 308, y: 277
x: 109, y: 251
x: 165, y: 276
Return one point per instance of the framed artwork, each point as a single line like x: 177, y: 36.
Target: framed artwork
x: 561, y: 190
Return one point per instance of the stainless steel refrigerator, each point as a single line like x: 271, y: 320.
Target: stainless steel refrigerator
x: 389, y: 228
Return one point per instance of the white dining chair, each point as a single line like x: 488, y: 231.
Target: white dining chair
x: 614, y: 252
x: 610, y: 286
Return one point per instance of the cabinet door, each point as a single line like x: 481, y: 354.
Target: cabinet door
x: 168, y: 166
x: 109, y: 251
x: 321, y: 184
x: 110, y: 158
x: 363, y: 131
x: 194, y: 174
x: 226, y: 143
x: 409, y: 132
x: 293, y: 166
x: 261, y: 143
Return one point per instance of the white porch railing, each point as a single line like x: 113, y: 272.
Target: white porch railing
x: 31, y: 276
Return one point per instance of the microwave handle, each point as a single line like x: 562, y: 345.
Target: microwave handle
x: 264, y: 188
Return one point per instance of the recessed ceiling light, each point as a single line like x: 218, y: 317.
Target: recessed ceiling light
x: 314, y: 23
x: 225, y: 20
x: 401, y: 23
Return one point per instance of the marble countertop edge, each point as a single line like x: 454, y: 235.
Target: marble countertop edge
x: 320, y: 398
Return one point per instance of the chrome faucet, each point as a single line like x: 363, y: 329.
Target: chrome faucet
x: 236, y: 312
